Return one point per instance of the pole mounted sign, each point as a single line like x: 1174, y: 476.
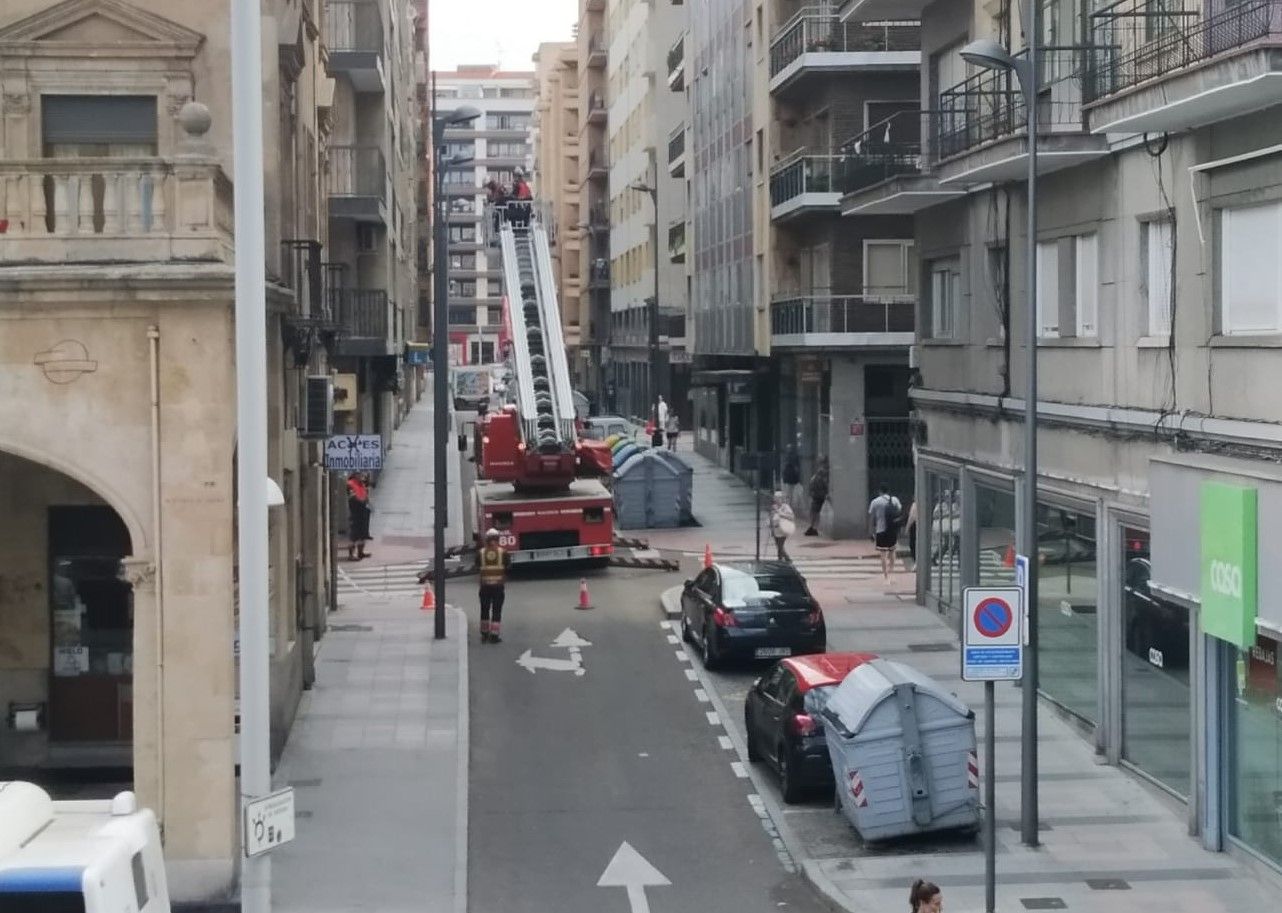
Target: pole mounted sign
x: 993, y: 634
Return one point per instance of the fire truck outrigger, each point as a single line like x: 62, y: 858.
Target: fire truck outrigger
x: 538, y: 484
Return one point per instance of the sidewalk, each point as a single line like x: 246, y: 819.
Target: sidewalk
x: 378, y: 754
x: 1106, y: 835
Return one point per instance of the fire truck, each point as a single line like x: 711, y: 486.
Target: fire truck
x: 538, y: 483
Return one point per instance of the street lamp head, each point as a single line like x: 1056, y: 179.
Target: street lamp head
x: 644, y: 188
x: 989, y: 55
x: 463, y: 114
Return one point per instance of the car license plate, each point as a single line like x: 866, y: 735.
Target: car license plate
x: 768, y: 652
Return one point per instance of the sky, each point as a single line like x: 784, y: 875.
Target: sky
x: 488, y: 31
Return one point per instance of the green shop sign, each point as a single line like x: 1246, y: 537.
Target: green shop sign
x: 1229, y: 570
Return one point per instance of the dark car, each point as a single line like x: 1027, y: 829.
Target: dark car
x: 757, y: 610
x: 781, y: 716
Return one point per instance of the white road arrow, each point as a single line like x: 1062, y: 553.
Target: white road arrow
x: 629, y: 869
x: 534, y: 663
x: 568, y: 638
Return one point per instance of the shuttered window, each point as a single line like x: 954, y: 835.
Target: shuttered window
x: 98, y: 124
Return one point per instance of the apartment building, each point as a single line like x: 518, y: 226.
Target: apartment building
x: 117, y: 645
x: 645, y: 199
x: 594, y: 210
x: 498, y: 142
x: 556, y: 173
x: 842, y: 289
x: 1160, y: 221
x: 424, y: 200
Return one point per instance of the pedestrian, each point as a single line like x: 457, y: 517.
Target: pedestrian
x: 661, y: 410
x: 358, y: 513
x: 818, y: 494
x: 884, y: 519
x: 910, y: 529
x: 925, y: 897
x: 792, y: 474
x: 492, y: 564
x: 782, y: 524
x: 673, y: 429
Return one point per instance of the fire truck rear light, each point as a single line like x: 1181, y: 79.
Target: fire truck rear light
x: 597, y: 550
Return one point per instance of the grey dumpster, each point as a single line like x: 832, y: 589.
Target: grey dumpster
x: 685, y: 472
x: 903, y: 752
x: 647, y: 492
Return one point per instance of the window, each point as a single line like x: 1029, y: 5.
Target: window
x: 1068, y: 287
x: 98, y: 125
x: 463, y: 288
x: 945, y: 298
x: 1157, y: 248
x: 890, y: 268
x: 1086, y: 276
x: 1048, y: 289
x: 463, y: 234
x: 462, y: 316
x: 462, y: 261
x: 140, y: 880
x: 1250, y: 270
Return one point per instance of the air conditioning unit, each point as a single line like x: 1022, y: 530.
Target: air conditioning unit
x: 318, y: 407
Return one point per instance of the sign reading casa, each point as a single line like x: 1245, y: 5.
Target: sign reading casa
x: 1229, y: 566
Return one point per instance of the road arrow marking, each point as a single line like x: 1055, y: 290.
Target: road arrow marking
x: 533, y: 663
x: 568, y: 638
x: 629, y: 869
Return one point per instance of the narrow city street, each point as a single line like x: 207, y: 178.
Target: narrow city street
x: 582, y: 749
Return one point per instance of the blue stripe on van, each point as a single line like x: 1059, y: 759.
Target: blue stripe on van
x: 62, y: 878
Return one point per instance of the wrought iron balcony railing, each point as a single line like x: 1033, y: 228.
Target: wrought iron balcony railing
x: 357, y: 171
x: 1134, y: 41
x: 801, y: 173
x: 796, y: 315
x: 361, y: 313
x: 816, y: 30
x: 353, y: 25
x: 889, y: 148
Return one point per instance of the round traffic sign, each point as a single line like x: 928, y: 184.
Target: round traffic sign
x: 993, y: 617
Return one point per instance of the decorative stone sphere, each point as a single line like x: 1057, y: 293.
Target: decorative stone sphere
x: 194, y: 119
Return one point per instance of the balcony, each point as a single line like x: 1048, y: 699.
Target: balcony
x: 364, y: 318
x: 1157, y: 69
x: 596, y: 50
x: 883, y: 170
x: 802, y: 184
x: 677, y: 65
x: 598, y: 168
x: 677, y: 152
x: 599, y: 217
x: 357, y: 184
x: 842, y: 321
x: 354, y: 38
x: 301, y: 273
x: 677, y: 242
x: 815, y: 42
x: 979, y: 131
x: 599, y: 275
x: 117, y: 210
x: 596, y: 108
x: 878, y: 10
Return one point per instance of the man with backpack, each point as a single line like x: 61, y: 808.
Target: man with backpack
x: 884, y: 519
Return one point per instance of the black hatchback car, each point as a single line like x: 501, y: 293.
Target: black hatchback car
x: 756, y: 610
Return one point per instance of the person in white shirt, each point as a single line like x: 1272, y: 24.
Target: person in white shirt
x: 783, y: 523
x: 662, y: 413
x: 883, y: 518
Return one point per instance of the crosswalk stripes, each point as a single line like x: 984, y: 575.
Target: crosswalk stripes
x: 379, y: 580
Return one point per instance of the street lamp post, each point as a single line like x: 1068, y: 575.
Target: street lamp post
x: 989, y: 54
x: 655, y: 388
x: 441, y: 353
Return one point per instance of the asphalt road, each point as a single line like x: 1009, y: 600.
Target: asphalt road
x: 565, y: 767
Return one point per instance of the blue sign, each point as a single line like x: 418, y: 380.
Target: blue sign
x: 993, y: 634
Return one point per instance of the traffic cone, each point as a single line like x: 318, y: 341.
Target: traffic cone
x: 707, y: 555
x: 1009, y: 559
x: 429, y: 599
x: 584, y: 601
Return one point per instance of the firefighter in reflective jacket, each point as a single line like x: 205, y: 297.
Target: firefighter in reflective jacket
x: 492, y: 564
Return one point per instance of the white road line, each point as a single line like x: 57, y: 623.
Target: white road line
x: 692, y: 675
x: 683, y: 656
x: 724, y: 742
x: 739, y: 770
x: 700, y: 695
x: 664, y: 625
x: 713, y: 718
x: 673, y: 639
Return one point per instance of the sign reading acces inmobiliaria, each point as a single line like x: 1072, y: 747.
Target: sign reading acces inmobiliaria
x: 1230, y: 568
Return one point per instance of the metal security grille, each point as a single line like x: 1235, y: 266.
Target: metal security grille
x: 890, y: 456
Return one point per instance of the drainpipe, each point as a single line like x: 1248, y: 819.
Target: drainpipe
x: 153, y: 340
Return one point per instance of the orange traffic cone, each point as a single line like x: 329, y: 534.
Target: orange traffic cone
x: 1008, y: 560
x: 584, y: 601
x: 707, y: 555
x: 429, y: 599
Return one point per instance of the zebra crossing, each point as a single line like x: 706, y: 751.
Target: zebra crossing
x: 854, y: 567
x: 383, y: 580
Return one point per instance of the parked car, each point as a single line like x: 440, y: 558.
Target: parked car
x: 755, y: 610
x: 781, y: 716
x: 600, y: 427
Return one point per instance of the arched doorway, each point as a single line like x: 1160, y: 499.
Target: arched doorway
x: 66, y: 622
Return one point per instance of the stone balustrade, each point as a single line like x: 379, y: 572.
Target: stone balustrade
x: 94, y: 210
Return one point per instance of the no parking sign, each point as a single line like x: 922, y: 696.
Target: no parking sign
x: 993, y: 634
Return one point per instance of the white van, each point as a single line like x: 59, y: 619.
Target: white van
x: 78, y: 856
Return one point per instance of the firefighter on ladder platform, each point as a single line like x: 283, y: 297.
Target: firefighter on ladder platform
x: 492, y: 564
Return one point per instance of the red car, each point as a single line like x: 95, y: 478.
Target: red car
x: 781, y: 715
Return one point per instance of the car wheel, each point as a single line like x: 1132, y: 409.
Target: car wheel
x: 789, y: 784
x: 754, y: 754
x: 711, y: 659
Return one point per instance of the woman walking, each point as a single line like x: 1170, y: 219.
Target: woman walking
x: 818, y: 494
x: 925, y: 897
x: 782, y: 524
x: 358, y: 511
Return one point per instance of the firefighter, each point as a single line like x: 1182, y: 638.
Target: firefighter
x: 492, y: 564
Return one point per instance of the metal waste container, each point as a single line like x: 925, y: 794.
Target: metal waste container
x: 685, y: 472
x: 647, y: 491
x: 903, y: 752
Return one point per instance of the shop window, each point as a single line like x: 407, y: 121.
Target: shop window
x: 1156, y: 698
x: 1067, y: 599
x: 995, y: 529
x: 1254, y: 719
x: 943, y: 539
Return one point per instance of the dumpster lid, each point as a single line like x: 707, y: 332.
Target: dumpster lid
x: 871, y: 682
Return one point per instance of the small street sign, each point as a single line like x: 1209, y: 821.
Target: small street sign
x: 354, y: 452
x: 269, y: 822
x: 993, y: 634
